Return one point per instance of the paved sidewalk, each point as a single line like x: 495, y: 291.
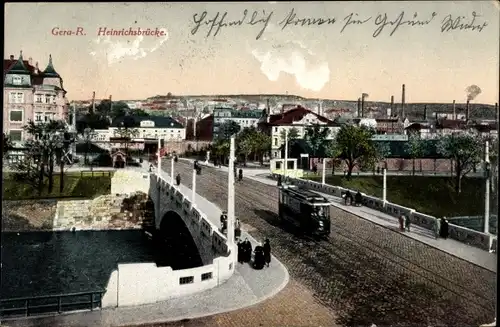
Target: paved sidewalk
x: 246, y: 171
x: 466, y: 252
x: 245, y: 288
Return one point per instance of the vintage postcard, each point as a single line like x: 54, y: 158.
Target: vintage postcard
x: 220, y: 164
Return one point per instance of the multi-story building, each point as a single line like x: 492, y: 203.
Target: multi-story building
x: 244, y: 118
x: 299, y: 119
x: 31, y: 94
x: 153, y: 127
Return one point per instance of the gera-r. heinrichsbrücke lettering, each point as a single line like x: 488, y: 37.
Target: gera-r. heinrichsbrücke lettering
x: 135, y: 31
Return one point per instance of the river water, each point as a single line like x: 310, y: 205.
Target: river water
x: 48, y: 263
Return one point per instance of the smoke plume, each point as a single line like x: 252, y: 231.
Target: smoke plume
x: 365, y: 95
x: 472, y: 92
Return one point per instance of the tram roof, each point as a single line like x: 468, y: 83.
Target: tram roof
x: 305, y: 195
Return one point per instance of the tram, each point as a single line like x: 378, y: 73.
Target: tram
x: 305, y: 209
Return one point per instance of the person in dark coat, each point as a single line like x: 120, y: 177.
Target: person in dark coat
x: 258, y: 260
x: 241, y: 251
x: 279, y: 180
x: 176, y: 158
x: 348, y: 197
x: 444, y: 229
x: 178, y: 179
x: 240, y: 175
x: 358, y: 198
x: 248, y: 250
x: 267, y: 252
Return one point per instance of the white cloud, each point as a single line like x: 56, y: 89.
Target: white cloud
x: 296, y: 59
x: 116, y: 48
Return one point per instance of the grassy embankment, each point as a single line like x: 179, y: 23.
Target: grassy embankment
x: 76, y: 185
x: 434, y: 196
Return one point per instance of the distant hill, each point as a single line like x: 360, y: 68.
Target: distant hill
x: 378, y: 108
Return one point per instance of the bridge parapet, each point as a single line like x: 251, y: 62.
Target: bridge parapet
x: 466, y: 235
x: 143, y: 283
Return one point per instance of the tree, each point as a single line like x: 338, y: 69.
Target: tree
x: 316, y: 136
x: 293, y: 134
x: 93, y: 121
x: 139, y: 113
x: 415, y: 148
x: 221, y: 150
x: 382, y: 150
x: 7, y: 144
x: 245, y: 143
x: 464, y: 150
x: 88, y: 136
x: 354, y: 146
x: 45, y: 144
x: 228, y: 129
x: 126, y: 131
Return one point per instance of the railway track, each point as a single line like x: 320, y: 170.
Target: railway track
x: 362, y: 264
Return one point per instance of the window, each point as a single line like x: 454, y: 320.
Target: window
x: 19, y: 98
x: 275, y: 141
x: 276, y: 129
x: 16, y: 136
x: 186, y: 280
x: 49, y: 116
x: 54, y: 99
x: 206, y: 276
x: 16, y: 116
x: 47, y: 98
x: 16, y: 80
x: 38, y: 98
x: 16, y: 97
x: 38, y: 116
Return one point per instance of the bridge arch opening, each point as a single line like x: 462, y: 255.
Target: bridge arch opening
x: 173, y: 244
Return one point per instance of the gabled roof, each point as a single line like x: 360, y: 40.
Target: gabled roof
x: 296, y: 114
x: 451, y: 124
x: 50, y: 71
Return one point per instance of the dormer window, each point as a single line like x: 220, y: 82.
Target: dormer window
x: 17, y: 80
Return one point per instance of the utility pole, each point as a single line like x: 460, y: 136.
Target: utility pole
x: 487, y: 189
x: 286, y: 153
x: 172, y: 170
x: 158, y: 170
x: 230, y: 195
x: 384, y: 189
x: 193, y: 196
x: 323, y: 175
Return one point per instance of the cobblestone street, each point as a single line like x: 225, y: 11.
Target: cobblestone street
x: 363, y: 274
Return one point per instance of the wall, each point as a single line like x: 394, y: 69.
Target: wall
x: 462, y: 234
x: 106, y: 212
x: 143, y: 283
x: 129, y: 181
x: 182, y: 147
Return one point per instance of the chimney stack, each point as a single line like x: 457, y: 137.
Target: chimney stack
x: 403, y: 102
x: 425, y: 112
x: 454, y: 112
x: 93, y: 102
x: 30, y: 61
x: 362, y: 106
x: 11, y: 57
x: 359, y: 107
x: 392, y: 103
x: 268, y: 105
x: 467, y: 111
x: 496, y: 113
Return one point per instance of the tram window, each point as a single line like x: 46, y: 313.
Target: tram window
x: 289, y: 165
x: 278, y: 165
x: 305, y: 209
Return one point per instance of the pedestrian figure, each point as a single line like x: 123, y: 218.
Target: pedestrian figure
x: 407, y: 223
x: 437, y: 227
x: 358, y: 199
x: 150, y: 167
x: 402, y: 223
x: 237, y: 229
x: 378, y: 170
x: 223, y: 221
x: 240, y: 175
x: 347, y: 197
x: 315, y: 169
x: 178, y: 179
x: 279, y: 180
x: 176, y: 158
x: 248, y: 250
x: 258, y: 260
x: 241, y: 251
x: 444, y: 230
x: 267, y: 252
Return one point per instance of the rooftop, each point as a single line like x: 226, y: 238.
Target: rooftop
x: 296, y: 114
x: 135, y: 121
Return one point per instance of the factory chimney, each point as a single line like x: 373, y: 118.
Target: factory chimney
x: 403, y: 102
x: 425, y: 112
x: 93, y: 102
x: 467, y: 111
x: 359, y: 107
x: 392, y: 103
x: 496, y: 113
x: 454, y: 111
x: 363, y: 106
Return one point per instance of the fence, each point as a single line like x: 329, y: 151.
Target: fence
x: 59, y: 303
x: 96, y: 173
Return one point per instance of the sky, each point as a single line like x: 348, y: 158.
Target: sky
x: 274, y: 50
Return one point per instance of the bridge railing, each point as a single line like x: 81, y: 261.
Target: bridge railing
x: 58, y: 303
x: 459, y: 233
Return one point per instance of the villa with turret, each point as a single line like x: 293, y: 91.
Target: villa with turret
x: 31, y: 94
